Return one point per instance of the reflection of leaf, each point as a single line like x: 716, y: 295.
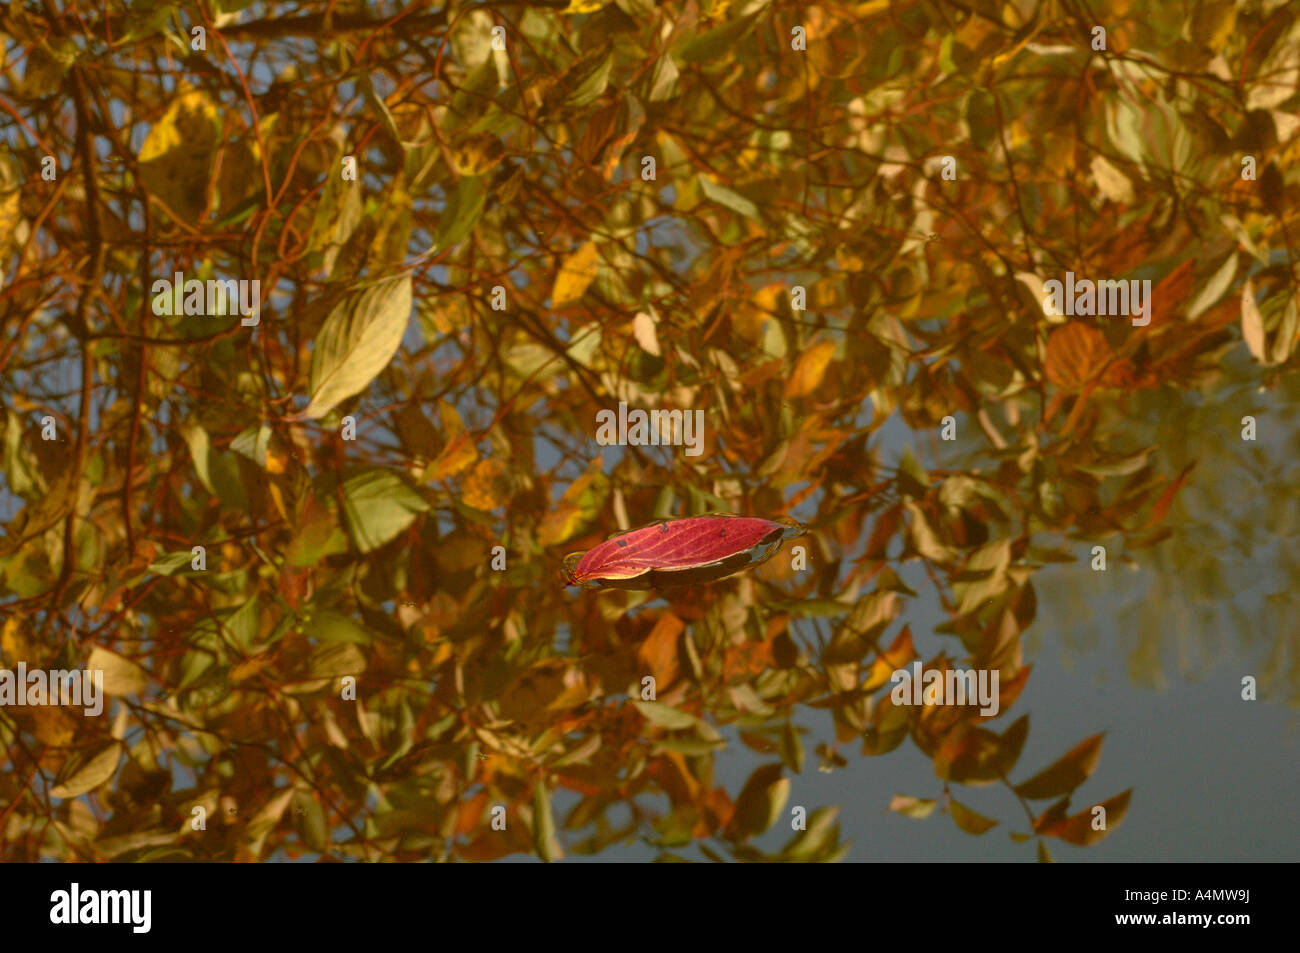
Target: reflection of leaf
x: 177, y: 154
x: 810, y: 369
x: 93, y: 772
x: 760, y: 802
x: 357, y: 341
x: 379, y: 506
x: 576, y: 274
x: 548, y: 848
x: 659, y: 650
x: 1065, y: 774
x: 821, y: 833
x: 1077, y: 829
x: 1076, y: 353
x: 968, y: 820
x: 488, y: 486
x: 912, y: 806
x: 666, y: 716
x: 1252, y: 323
x: 121, y: 676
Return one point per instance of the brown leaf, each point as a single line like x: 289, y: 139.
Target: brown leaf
x: 1066, y: 774
x: 1077, y: 829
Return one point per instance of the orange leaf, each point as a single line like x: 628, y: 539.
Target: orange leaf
x: 659, y: 651
x: 488, y: 486
x: 1161, y: 509
x: 810, y: 370
x: 1076, y: 353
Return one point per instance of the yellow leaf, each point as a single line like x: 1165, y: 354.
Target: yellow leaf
x: 584, y: 6
x: 456, y: 456
x: 643, y: 328
x: 810, y: 370
x: 576, y: 274
x: 10, y: 183
x: 476, y: 154
x: 560, y: 524
x: 1111, y: 182
x: 121, y: 676
x: 177, y: 154
x: 54, y: 726
x: 488, y: 486
x: 94, y: 772
x: 14, y: 646
x: 1252, y: 323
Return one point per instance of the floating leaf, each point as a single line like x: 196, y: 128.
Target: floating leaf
x: 679, y: 552
x: 357, y: 341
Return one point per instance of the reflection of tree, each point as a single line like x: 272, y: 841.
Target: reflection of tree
x: 1225, y: 574
x: 798, y: 262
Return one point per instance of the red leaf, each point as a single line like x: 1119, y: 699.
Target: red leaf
x: 679, y: 552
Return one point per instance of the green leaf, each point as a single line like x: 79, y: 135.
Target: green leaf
x: 196, y: 438
x: 357, y: 341
x: 760, y: 802
x: 379, y: 506
x: 665, y: 716
x: 462, y: 212
x: 333, y: 661
x: 732, y: 200
x: 1214, y: 288
x: 330, y: 626
x: 588, y: 79
x: 821, y: 833
x: 791, y: 748
x: 663, y: 83
x: 716, y: 43
x: 169, y: 563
